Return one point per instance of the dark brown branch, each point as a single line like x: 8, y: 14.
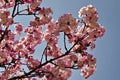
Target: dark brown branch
x: 65, y: 43
x: 3, y: 35
x: 70, y: 67
x: 13, y: 12
x: 79, y: 40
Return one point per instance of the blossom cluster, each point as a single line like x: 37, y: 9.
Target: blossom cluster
x: 16, y: 55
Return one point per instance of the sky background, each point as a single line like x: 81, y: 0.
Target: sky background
x: 107, y: 49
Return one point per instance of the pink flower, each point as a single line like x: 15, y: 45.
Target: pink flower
x: 53, y: 51
x: 35, y: 22
x: 29, y: 1
x: 11, y: 36
x: 89, y: 13
x: 19, y: 28
x: 67, y: 23
x: 65, y: 62
x: 65, y: 74
x: 45, y: 19
x: 32, y: 63
x: 45, y: 11
x: 51, y: 39
x: 5, y: 18
x: 87, y: 71
x: 52, y: 28
x: 35, y: 4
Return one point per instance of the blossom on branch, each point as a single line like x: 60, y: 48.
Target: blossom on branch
x: 19, y: 43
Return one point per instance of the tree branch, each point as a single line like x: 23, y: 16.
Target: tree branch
x: 65, y: 43
x: 49, y: 61
x: 13, y: 12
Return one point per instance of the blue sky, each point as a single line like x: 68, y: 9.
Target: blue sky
x: 107, y: 49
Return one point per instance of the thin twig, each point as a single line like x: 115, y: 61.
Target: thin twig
x: 77, y: 42
x: 43, y: 53
x: 65, y: 43
x: 70, y: 67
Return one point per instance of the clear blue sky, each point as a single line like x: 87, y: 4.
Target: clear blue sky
x: 107, y: 49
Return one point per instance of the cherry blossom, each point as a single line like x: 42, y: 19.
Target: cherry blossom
x: 18, y: 28
x: 19, y: 42
x: 67, y: 23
